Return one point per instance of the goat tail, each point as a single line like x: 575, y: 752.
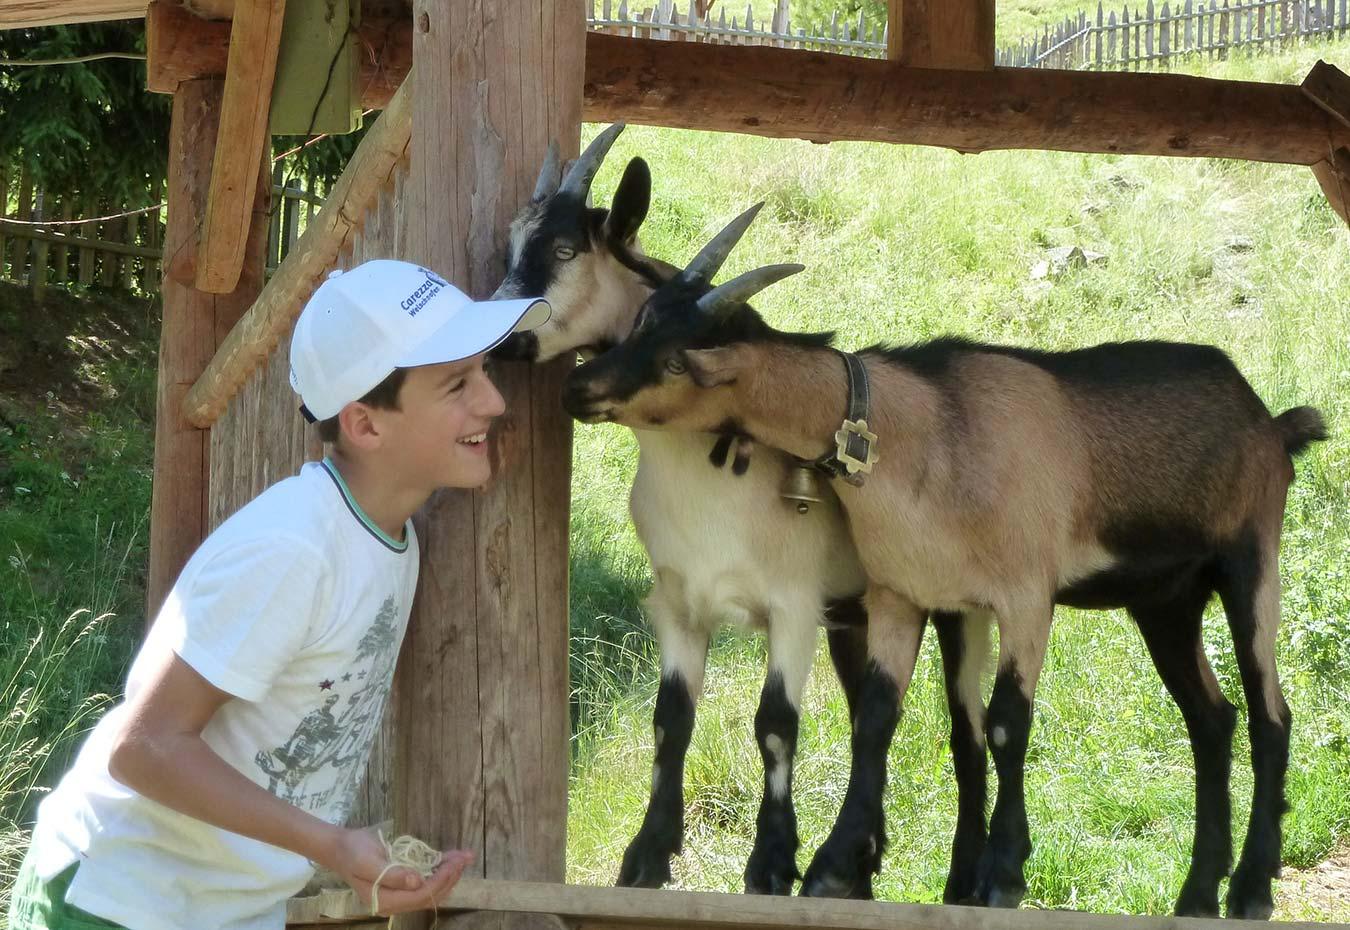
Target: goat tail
x: 1300, y: 427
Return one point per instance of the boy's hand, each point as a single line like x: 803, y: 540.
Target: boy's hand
x: 360, y: 857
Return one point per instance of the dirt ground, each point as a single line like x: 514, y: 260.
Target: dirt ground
x: 1319, y: 893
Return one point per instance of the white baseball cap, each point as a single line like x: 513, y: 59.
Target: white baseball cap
x: 361, y: 324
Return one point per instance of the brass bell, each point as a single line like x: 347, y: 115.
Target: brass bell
x: 802, y: 486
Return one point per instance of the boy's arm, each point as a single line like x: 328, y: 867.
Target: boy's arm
x: 160, y: 754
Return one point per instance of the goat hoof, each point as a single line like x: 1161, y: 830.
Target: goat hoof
x: 1196, y: 902
x: 778, y: 884
x: 644, y: 867
x: 1249, y: 897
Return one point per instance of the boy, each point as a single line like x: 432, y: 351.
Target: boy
x: 203, y: 799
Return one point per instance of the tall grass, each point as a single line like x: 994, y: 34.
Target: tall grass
x: 903, y: 244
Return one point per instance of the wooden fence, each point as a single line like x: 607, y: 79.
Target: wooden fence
x: 44, y: 241
x: 1158, y: 33
x: 664, y: 20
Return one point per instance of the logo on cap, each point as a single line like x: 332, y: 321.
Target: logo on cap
x: 419, y: 298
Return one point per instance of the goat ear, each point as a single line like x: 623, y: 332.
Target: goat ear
x: 631, y: 202
x: 711, y: 367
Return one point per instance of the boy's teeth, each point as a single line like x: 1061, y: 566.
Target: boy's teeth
x: 480, y: 437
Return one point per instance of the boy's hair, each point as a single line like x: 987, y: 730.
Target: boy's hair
x: 383, y: 396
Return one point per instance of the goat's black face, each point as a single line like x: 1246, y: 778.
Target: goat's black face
x: 681, y: 350
x: 578, y: 258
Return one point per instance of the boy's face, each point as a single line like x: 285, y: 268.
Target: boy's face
x: 438, y: 435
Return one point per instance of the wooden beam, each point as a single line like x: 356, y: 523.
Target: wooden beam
x: 40, y: 234
x: 956, y: 34
x: 330, y: 232
x: 1334, y: 177
x: 23, y: 14
x: 181, y: 47
x: 584, y: 906
x: 193, y: 326
x: 255, y: 35
x: 787, y: 93
x: 1329, y: 88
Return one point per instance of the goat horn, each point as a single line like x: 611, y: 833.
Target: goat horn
x: 741, y: 288
x: 709, y: 261
x: 549, y: 175
x: 582, y: 172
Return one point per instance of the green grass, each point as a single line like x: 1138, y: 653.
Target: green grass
x: 75, y: 462
x: 906, y: 243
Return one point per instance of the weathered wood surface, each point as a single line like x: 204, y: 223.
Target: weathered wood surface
x: 1329, y: 88
x: 194, y: 324
x: 181, y: 47
x: 1333, y: 175
x: 584, y: 906
x: 789, y: 93
x: 487, y: 647
x: 20, y: 14
x: 241, y: 142
x: 44, y: 234
x: 955, y: 34
x: 329, y: 235
x: 794, y: 94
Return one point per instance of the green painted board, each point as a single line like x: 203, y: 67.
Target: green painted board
x: 315, y: 90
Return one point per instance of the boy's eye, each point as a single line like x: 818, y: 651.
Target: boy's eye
x: 455, y: 386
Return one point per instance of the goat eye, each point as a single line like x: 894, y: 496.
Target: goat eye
x: 675, y: 365
x: 564, y: 253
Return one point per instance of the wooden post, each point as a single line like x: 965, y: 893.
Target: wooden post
x: 194, y: 324
x: 61, y: 254
x: 954, y: 34
x: 150, y: 269
x: 88, y: 231
x: 4, y: 209
x: 481, y: 694
x: 37, y: 277
x: 23, y: 210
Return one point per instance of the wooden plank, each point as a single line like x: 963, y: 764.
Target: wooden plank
x: 255, y: 35
x: 615, y: 908
x: 61, y: 254
x: 954, y: 34
x: 1333, y: 176
x: 272, y: 315
x: 1329, y: 88
x: 23, y: 210
x: 5, y: 170
x: 787, y: 93
x: 24, y: 14
x: 87, y: 254
x: 37, y: 277
x: 47, y: 234
x: 194, y: 323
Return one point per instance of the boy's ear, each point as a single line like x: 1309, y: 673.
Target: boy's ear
x: 358, y: 426
x: 712, y: 367
x: 631, y: 202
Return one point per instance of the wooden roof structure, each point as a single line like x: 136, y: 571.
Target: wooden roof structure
x: 476, y: 749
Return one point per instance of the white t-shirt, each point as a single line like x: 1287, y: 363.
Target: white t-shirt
x: 297, y: 607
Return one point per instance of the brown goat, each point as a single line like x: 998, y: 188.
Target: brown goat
x: 1143, y: 475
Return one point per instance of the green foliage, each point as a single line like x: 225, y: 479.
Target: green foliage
x: 88, y: 126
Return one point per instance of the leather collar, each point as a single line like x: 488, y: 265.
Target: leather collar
x: 854, y: 453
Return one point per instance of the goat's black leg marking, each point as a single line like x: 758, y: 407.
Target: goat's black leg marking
x: 848, y: 646
x: 843, y: 867
x: 1172, y: 633
x: 1000, y: 881
x: 961, y: 666
x: 646, y: 861
x: 1249, y: 585
x: 772, y: 867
